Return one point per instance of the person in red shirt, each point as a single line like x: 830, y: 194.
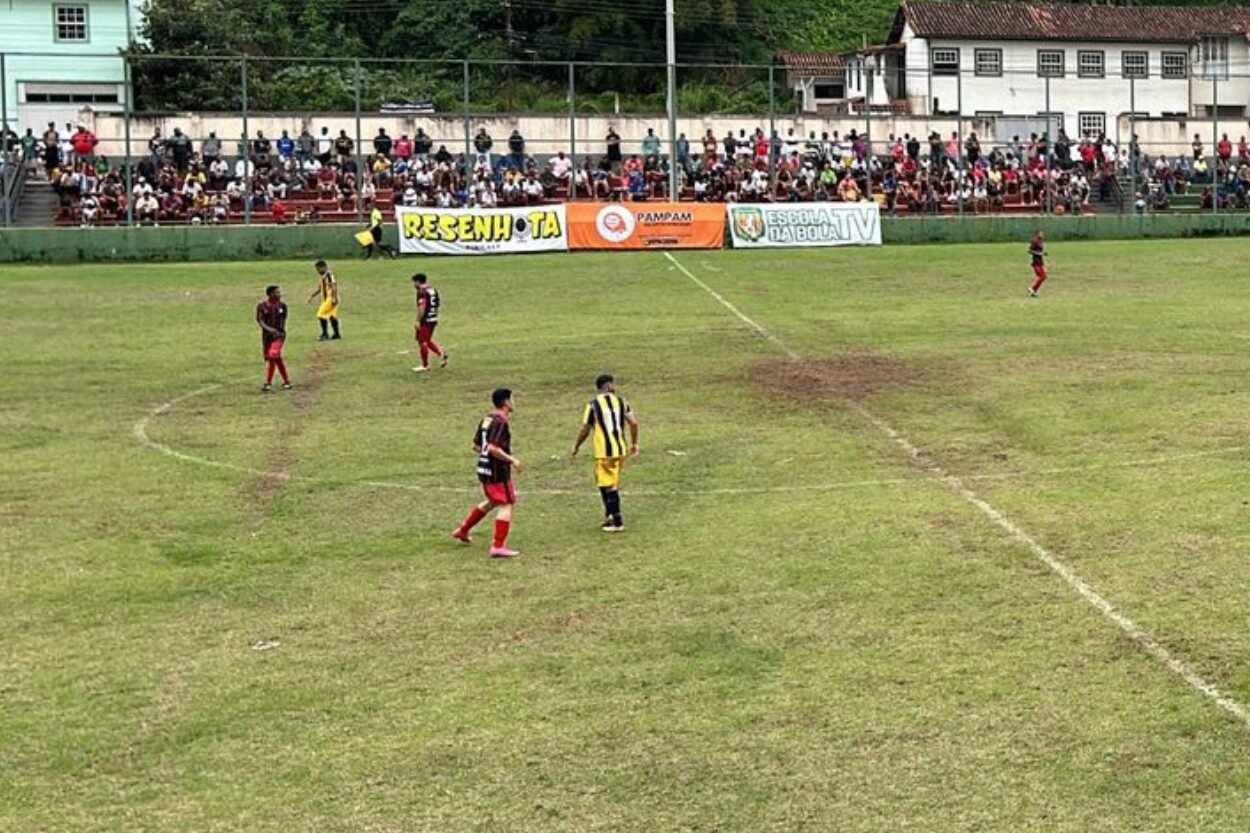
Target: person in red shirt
x: 429, y: 305
x: 1037, y: 251
x: 271, y: 316
x: 277, y: 211
x: 83, y: 142
x: 493, y: 443
x: 1224, y: 148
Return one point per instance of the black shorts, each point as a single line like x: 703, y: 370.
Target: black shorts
x: 376, y: 231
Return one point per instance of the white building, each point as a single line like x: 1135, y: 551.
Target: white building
x: 1078, y: 66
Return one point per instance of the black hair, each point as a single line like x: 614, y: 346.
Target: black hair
x: 500, y: 396
x: 603, y: 379
x: 320, y: 263
x: 419, y: 278
x: 269, y: 290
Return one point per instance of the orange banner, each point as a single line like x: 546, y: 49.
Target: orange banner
x: 646, y: 225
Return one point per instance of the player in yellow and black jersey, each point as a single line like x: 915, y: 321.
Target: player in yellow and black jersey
x: 608, y: 417
x: 328, y: 290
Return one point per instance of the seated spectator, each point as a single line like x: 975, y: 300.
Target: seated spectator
x: 277, y: 211
x: 146, y: 208
x: 220, y: 208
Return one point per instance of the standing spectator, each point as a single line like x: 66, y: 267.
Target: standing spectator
x: 84, y: 142
x: 156, y: 147
x: 421, y: 144
x: 30, y: 149
x: 304, y: 146
x: 709, y: 147
x: 286, y: 146
x: 325, y: 144
x: 382, y: 143
x: 614, y: 147
x: 211, y: 149
x: 403, y: 147
x: 516, y: 147
x: 650, y: 144
x: 683, y: 152
x: 261, y: 149
x: 180, y: 146
x: 1197, y: 146
x: 343, y: 146
x: 972, y: 149
x: 482, y: 143
x: 1224, y: 148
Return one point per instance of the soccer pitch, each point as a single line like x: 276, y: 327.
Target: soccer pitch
x: 906, y: 549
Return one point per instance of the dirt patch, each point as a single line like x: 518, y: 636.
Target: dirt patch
x: 755, y: 290
x: 853, y: 377
x: 307, y: 388
x: 280, y: 458
x: 277, y: 473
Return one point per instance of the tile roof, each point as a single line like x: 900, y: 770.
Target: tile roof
x: 1067, y: 21
x: 835, y: 61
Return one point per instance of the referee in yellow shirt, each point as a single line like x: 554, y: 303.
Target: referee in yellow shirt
x: 607, y: 415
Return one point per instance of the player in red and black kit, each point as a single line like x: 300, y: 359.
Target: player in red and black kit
x: 271, y: 316
x: 428, y: 305
x: 493, y: 443
x: 1037, y: 251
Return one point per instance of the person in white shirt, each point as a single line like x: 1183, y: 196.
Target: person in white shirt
x: 533, y: 190
x: 560, y: 166
x: 243, y: 169
x: 221, y: 208
x: 410, y: 197
x: 442, y: 199
x: 234, y: 190
x: 90, y: 207
x: 219, y: 169
x: 146, y: 208
x: 325, y: 144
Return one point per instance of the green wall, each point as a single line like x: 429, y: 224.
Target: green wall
x: 182, y: 243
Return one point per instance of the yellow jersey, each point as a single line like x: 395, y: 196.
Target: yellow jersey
x: 607, y: 414
x: 375, y: 219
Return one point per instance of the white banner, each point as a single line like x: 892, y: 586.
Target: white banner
x: 805, y: 224
x: 482, y: 231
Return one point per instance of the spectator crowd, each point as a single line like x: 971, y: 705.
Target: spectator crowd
x: 307, y: 178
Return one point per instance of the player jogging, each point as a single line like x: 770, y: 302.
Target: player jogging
x: 493, y: 443
x: 428, y: 305
x: 1037, y: 251
x: 271, y: 316
x: 607, y: 415
x: 328, y: 312
x: 375, y: 229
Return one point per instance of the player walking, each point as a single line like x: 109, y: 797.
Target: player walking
x: 375, y: 230
x: 607, y: 415
x: 271, y: 316
x: 328, y: 312
x: 493, y: 443
x: 1037, y: 251
x: 428, y: 305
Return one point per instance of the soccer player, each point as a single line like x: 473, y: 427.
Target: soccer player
x: 428, y: 305
x: 1037, y: 251
x: 493, y: 443
x: 271, y: 316
x: 607, y: 415
x: 328, y: 312
x: 375, y: 229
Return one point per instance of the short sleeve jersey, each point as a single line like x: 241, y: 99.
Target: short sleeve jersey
x: 327, y: 286
x: 1037, y: 251
x: 274, y: 315
x: 607, y: 414
x: 432, y: 304
x: 493, y: 430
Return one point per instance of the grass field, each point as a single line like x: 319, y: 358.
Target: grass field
x: 803, y: 628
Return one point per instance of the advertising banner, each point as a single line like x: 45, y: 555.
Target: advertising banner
x: 646, y: 225
x: 482, y: 231
x: 805, y: 224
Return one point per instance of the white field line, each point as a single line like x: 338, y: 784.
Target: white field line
x: 1141, y: 638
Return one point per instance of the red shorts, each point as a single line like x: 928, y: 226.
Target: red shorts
x: 1039, y: 270
x: 273, y: 350
x: 425, y: 332
x: 500, y: 492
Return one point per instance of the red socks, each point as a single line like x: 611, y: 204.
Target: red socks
x: 281, y: 369
x: 1041, y: 278
x: 425, y: 354
x: 501, y: 532
x: 475, y: 515
x: 268, y: 371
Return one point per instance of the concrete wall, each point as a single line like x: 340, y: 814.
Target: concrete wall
x: 309, y: 242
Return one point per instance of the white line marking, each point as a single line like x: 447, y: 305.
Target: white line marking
x: 1141, y: 638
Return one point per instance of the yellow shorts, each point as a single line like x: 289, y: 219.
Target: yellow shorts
x: 328, y: 309
x: 608, y: 472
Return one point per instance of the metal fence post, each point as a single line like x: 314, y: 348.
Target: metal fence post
x: 959, y: 138
x: 868, y: 118
x: 1132, y: 141
x: 127, y: 159
x: 468, y: 127
x: 360, y: 170
x: 247, y: 156
x: 1215, y: 142
x: 772, y: 130
x: 1050, y: 152
x: 572, y: 134
x: 4, y: 142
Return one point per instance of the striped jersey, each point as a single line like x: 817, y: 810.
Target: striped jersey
x: 606, y: 414
x: 1037, y: 251
x: 432, y: 304
x: 493, y: 430
x: 327, y: 286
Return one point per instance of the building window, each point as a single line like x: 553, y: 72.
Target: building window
x: 1050, y: 63
x: 828, y: 92
x: 1175, y: 65
x: 989, y: 62
x: 1214, y: 57
x: 1135, y: 64
x: 1091, y: 125
x: 70, y: 23
x: 945, y: 61
x: 1090, y: 64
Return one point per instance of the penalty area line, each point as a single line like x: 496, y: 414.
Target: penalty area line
x: 954, y: 484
